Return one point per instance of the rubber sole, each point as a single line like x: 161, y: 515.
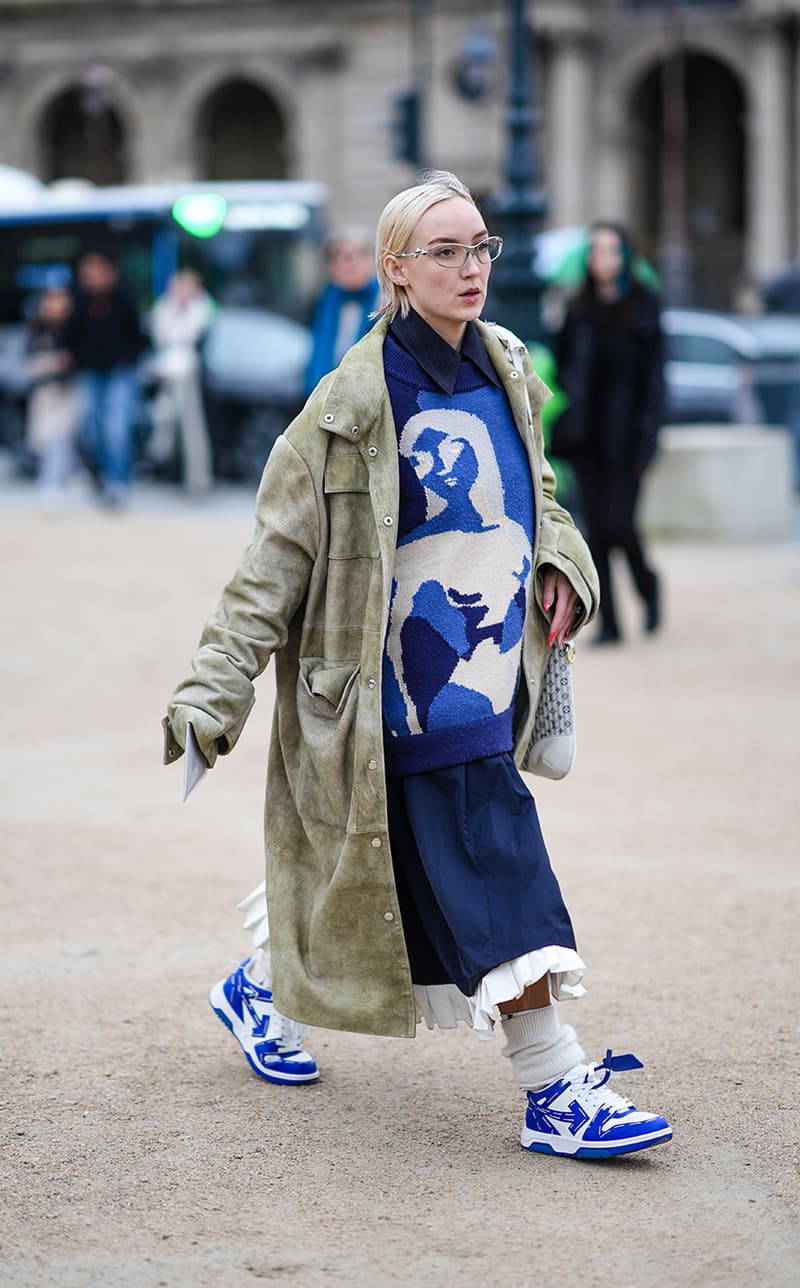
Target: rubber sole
x: 602, y: 1151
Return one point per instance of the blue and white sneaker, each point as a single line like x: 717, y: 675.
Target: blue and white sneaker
x: 272, y: 1044
x: 577, y: 1115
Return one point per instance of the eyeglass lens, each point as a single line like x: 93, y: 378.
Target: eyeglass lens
x: 456, y: 255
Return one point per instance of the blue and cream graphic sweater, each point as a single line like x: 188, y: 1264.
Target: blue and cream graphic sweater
x: 463, y: 565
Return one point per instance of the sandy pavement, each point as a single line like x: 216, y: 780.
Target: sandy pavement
x: 137, y: 1148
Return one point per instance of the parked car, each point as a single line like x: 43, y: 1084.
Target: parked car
x: 782, y: 294
x: 709, y: 368
x: 777, y: 369
x: 254, y: 365
x: 735, y: 368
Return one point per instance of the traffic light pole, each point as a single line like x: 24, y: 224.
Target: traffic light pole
x: 421, y: 36
x: 409, y: 106
x: 521, y: 205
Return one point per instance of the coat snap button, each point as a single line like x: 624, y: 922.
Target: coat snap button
x: 376, y: 842
x: 388, y: 520
x: 354, y: 430
x: 372, y: 451
x: 329, y: 418
x: 371, y: 683
x: 514, y: 375
x: 388, y: 916
x: 372, y: 764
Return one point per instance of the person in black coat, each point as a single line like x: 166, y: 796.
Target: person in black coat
x: 610, y: 364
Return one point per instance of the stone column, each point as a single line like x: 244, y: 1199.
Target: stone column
x: 570, y: 127
x: 769, y: 153
x: 613, y: 143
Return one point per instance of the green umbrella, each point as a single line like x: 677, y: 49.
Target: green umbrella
x: 570, y: 270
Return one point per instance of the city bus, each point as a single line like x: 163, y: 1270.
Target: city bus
x: 256, y: 245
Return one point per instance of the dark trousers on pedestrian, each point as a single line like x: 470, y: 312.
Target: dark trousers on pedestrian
x: 609, y: 495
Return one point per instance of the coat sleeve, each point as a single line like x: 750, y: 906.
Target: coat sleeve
x: 652, y: 410
x: 560, y: 543
x: 251, y: 620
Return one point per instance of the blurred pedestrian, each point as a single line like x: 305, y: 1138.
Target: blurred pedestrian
x: 178, y: 323
x: 342, y: 314
x: 410, y: 571
x: 54, y: 406
x: 105, y: 339
x: 610, y: 364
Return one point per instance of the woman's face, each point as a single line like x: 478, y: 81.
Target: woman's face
x: 351, y: 265
x: 55, y: 305
x: 606, y: 260
x: 446, y: 297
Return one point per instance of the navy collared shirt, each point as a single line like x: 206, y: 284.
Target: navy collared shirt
x: 438, y: 359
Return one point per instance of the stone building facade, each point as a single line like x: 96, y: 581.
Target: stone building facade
x: 149, y: 90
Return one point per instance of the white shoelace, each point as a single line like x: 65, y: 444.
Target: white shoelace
x: 288, y: 1033
x: 599, y: 1093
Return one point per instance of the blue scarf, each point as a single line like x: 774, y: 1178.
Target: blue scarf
x: 325, y: 326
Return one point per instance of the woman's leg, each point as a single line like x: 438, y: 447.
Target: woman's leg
x: 538, y: 1045
x: 593, y: 487
x: 197, y: 476
x: 56, y: 464
x: 626, y: 496
x: 535, y: 996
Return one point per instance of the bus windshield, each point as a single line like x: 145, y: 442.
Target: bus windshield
x: 254, y: 243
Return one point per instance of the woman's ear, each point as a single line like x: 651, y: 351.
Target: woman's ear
x: 395, y: 271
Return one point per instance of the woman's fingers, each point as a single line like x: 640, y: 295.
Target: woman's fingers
x: 549, y: 588
x: 565, y: 601
x: 558, y: 594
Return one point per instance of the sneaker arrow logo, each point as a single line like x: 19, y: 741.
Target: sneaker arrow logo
x: 574, y: 1116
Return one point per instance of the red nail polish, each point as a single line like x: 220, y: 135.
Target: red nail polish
x: 551, y: 637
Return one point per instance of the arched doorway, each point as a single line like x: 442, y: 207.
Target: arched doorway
x: 715, y: 161
x: 81, y: 135
x: 241, y: 134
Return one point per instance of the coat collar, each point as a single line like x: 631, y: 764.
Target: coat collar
x: 438, y: 359
x: 357, y: 389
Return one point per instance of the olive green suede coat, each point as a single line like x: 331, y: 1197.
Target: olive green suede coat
x: 313, y: 589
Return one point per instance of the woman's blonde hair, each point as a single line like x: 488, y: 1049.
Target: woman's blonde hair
x: 398, y: 221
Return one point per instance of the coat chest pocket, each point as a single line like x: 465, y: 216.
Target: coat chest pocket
x: 327, y: 685
x: 351, y: 522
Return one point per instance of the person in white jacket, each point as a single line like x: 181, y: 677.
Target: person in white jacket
x: 179, y: 320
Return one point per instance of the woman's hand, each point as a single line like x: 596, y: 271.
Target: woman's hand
x: 558, y: 594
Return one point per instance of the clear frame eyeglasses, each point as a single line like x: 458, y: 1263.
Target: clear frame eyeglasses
x: 456, y: 254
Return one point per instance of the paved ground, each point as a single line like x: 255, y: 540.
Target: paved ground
x: 137, y: 1150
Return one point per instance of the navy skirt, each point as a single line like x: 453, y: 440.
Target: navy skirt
x: 473, y: 876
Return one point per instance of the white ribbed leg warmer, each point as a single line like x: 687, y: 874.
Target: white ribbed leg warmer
x: 540, y: 1047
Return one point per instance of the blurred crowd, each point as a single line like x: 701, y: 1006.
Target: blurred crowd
x: 84, y: 354
x: 112, y: 394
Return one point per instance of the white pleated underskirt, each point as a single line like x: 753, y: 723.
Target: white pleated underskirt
x: 443, y: 1005
x: 254, y: 907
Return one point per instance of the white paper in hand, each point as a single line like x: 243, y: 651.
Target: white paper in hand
x: 194, y: 764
